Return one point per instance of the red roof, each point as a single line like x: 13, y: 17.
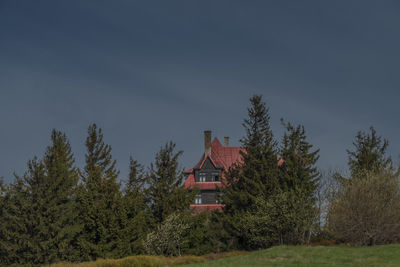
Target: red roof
x: 221, y: 157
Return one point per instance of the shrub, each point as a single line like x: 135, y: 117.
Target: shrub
x: 366, y: 210
x: 282, y: 219
x: 167, y: 239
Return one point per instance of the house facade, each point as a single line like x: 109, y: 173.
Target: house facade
x: 207, y: 175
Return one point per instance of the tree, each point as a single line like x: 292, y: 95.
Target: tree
x: 137, y: 211
x: 60, y: 196
x: 256, y: 177
x: 166, y: 193
x: 137, y: 177
x: 369, y: 154
x: 298, y: 168
x: 365, y: 208
x: 299, y: 181
x: 15, y: 245
x: 40, y: 209
x: 257, y: 174
x: 100, y: 199
x: 367, y: 211
x: 204, y: 234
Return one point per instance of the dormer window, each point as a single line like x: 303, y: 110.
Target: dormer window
x: 208, y: 172
x: 208, y: 176
x: 202, y: 176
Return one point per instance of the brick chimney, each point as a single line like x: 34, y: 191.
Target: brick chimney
x: 207, y: 143
x: 226, y: 138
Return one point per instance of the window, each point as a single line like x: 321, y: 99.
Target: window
x: 202, y: 177
x: 215, y: 176
x: 208, y: 176
x: 197, y: 199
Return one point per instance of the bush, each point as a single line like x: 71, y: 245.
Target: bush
x: 285, y: 218
x: 167, y: 239
x: 205, y: 233
x: 366, y: 210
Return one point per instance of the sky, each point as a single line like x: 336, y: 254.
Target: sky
x: 147, y: 72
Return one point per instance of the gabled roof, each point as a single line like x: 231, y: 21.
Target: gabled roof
x: 221, y: 157
x: 225, y: 156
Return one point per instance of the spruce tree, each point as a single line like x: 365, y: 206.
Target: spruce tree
x: 8, y: 247
x: 166, y: 193
x: 299, y: 181
x: 60, y: 194
x: 100, y: 200
x: 15, y: 244
x: 41, y: 212
x: 257, y: 174
x: 369, y: 154
x: 253, y: 179
x: 137, y: 211
x: 298, y: 168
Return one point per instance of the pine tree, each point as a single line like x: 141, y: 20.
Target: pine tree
x: 257, y: 174
x: 166, y: 193
x: 138, y: 215
x: 15, y: 244
x: 299, y: 180
x: 369, y: 154
x: 100, y: 199
x: 255, y: 178
x: 298, y: 169
x: 40, y: 212
x: 60, y: 198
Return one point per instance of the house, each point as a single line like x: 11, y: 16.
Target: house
x: 208, y: 173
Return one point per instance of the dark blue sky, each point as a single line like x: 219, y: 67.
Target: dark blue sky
x: 152, y: 71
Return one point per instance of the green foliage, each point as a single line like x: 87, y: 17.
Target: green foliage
x: 284, y: 218
x: 166, y: 193
x: 137, y: 178
x: 137, y: 210
x: 298, y: 170
x: 100, y: 202
x: 255, y: 177
x: 364, y: 209
x: 204, y: 234
x: 299, y: 180
x: 39, y: 210
x: 14, y: 238
x: 267, y: 203
x: 167, y: 239
x: 59, y: 199
x: 369, y: 154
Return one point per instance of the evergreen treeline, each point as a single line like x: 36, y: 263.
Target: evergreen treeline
x: 58, y: 212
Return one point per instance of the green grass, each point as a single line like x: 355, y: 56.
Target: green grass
x: 388, y: 255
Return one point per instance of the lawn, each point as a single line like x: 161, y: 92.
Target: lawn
x: 388, y: 255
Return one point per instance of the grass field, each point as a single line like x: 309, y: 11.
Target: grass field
x: 388, y: 255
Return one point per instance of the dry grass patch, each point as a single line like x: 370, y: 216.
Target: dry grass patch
x: 151, y: 261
